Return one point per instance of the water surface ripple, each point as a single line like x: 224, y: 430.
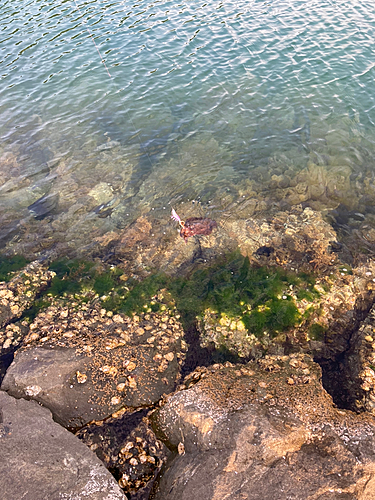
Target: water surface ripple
x: 205, y: 99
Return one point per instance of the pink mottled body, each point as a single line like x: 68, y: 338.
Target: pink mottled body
x: 197, y: 225
x: 193, y: 225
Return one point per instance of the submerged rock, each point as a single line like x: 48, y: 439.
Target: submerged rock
x: 45, y: 206
x: 40, y: 459
x: 264, y: 430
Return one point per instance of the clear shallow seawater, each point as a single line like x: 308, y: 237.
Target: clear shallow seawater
x: 204, y: 99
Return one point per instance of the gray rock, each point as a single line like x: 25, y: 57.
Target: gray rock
x: 45, y: 206
x: 264, y: 431
x: 41, y: 460
x: 47, y: 376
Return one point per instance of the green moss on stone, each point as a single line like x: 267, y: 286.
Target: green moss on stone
x: 76, y: 275
x: 140, y: 295
x: 263, y: 298
x: 36, y: 308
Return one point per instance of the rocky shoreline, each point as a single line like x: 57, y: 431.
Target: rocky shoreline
x: 238, y: 365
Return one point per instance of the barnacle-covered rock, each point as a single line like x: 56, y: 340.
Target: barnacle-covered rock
x: 19, y: 293
x: 84, y: 363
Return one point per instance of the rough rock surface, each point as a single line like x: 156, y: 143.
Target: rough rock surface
x: 85, y: 365
x: 353, y: 378
x: 262, y: 431
x: 40, y: 459
x: 129, y: 449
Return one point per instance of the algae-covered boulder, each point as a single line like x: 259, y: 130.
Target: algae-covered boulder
x: 250, y: 310
x: 264, y: 430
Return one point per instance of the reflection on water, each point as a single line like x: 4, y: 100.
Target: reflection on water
x: 242, y: 106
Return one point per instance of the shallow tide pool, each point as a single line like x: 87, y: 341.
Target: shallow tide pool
x: 224, y: 108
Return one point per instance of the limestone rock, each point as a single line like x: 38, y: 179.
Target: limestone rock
x: 264, y: 430
x: 40, y: 459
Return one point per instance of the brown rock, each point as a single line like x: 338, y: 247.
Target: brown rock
x: 244, y: 441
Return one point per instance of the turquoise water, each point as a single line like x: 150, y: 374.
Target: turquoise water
x: 204, y: 99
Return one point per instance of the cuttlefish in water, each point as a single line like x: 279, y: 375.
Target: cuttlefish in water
x: 193, y: 225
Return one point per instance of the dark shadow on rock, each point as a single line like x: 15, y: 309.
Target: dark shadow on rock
x: 129, y: 449
x: 45, y: 206
x: 339, y: 349
x: 5, y: 362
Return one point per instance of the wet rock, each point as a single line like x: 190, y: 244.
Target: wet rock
x: 86, y: 364
x: 40, y: 459
x: 8, y: 230
x: 129, y: 448
x: 300, y: 239
x: 108, y: 145
x: 264, y: 430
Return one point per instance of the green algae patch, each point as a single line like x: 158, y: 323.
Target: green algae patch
x: 262, y: 299
x: 233, y: 303
x: 140, y: 296
x: 84, y: 280
x: 275, y: 316
x: 70, y: 276
x: 76, y: 276
x: 9, y: 265
x: 230, y: 296
x: 38, y: 306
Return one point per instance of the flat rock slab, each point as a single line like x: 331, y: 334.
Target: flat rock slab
x: 264, y: 431
x: 87, y: 366
x: 42, y: 460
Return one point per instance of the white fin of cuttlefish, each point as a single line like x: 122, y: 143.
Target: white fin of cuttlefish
x: 175, y: 216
